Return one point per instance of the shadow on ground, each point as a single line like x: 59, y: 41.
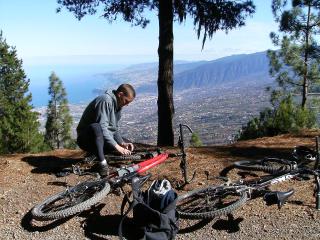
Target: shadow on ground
x: 196, y: 226
x: 230, y: 225
x: 98, y: 227
x: 31, y: 225
x: 49, y: 164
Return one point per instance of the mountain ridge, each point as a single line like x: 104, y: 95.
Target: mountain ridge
x: 235, y: 69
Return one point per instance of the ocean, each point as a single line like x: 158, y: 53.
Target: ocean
x: 80, y: 81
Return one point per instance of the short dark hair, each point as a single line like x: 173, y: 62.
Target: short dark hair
x: 127, y: 89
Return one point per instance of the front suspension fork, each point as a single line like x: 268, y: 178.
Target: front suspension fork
x: 183, y: 163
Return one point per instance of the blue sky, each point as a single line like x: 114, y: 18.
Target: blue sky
x: 43, y: 36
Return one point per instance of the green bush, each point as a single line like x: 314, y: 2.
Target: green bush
x: 288, y: 117
x: 195, y: 140
x: 71, y: 144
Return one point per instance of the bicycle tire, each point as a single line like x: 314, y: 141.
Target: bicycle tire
x: 85, y: 195
x: 262, y: 165
x: 139, y: 155
x: 124, y: 157
x: 189, y: 204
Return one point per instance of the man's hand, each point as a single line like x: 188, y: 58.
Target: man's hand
x: 128, y: 146
x: 122, y: 150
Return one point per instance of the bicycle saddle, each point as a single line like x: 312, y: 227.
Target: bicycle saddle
x: 277, y: 197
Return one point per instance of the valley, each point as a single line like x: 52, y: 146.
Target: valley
x: 216, y: 98
x: 216, y: 114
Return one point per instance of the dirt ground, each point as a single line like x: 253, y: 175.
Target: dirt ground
x: 26, y: 180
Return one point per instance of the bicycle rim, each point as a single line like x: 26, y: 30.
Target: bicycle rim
x: 210, y: 202
x: 72, y: 201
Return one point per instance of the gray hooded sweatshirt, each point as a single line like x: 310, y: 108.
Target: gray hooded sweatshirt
x: 103, y: 110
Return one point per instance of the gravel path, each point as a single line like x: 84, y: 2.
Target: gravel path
x: 26, y: 180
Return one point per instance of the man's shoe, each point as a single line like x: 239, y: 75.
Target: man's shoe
x: 103, y: 170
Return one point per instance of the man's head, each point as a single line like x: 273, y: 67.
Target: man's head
x: 125, y: 94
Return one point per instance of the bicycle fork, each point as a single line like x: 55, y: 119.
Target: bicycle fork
x: 183, y: 163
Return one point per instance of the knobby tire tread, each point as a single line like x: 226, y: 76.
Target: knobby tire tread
x: 139, y: 155
x: 124, y: 157
x: 256, y: 165
x: 38, y: 214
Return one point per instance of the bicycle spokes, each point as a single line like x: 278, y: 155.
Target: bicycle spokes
x: 72, y: 197
x: 208, y: 200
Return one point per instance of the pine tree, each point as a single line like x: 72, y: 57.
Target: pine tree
x: 18, y: 123
x: 59, y: 120
x: 295, y: 65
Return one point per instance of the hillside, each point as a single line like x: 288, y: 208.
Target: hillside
x: 236, y: 69
x: 26, y: 179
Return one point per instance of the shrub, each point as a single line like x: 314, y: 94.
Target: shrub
x: 288, y: 117
x: 195, y: 140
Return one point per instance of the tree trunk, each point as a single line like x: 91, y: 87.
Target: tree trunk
x: 165, y: 74
x: 306, y: 56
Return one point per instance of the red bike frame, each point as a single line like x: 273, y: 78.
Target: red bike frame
x: 139, y: 168
x: 146, y: 165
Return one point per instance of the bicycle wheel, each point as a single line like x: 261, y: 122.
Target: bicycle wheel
x: 210, y: 202
x: 268, y: 165
x: 72, y: 201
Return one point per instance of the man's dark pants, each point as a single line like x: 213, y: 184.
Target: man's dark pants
x: 91, y: 140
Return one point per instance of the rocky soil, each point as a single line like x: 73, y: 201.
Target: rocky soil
x: 26, y: 180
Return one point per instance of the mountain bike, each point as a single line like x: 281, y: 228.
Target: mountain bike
x: 88, y: 193
x: 213, y: 201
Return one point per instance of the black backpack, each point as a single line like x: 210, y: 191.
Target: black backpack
x: 154, y: 213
